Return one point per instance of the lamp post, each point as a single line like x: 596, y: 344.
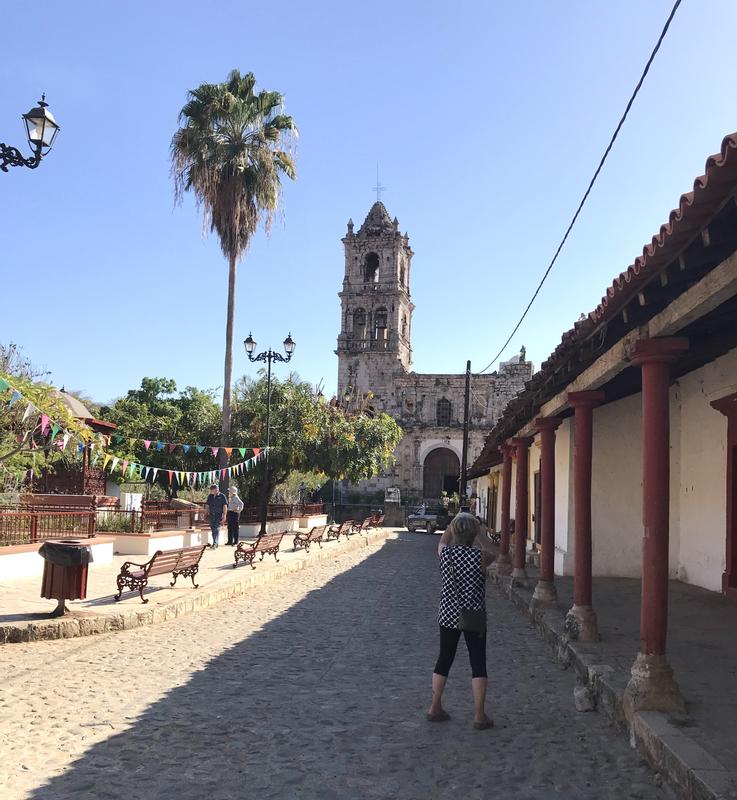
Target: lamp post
x: 268, y: 356
x: 463, y: 503
x: 41, y: 130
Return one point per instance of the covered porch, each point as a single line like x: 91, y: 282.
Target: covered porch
x: 696, y: 750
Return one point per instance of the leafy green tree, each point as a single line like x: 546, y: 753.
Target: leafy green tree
x: 23, y: 445
x: 157, y: 412
x: 231, y: 151
x: 308, y: 435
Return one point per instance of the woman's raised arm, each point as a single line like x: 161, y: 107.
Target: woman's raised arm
x: 445, y: 539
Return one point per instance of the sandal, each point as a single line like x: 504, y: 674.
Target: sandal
x: 442, y: 716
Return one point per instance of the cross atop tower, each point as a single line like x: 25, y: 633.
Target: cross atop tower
x: 378, y: 188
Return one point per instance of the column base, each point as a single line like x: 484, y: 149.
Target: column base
x: 519, y: 576
x: 545, y: 594
x: 581, y: 624
x: 652, y: 687
x: 503, y: 564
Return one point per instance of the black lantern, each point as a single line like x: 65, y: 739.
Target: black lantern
x: 41, y: 130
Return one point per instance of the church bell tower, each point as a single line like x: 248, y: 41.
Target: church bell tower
x: 376, y: 310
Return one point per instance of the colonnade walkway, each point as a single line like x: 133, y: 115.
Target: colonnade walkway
x: 701, y: 649
x: 313, y: 686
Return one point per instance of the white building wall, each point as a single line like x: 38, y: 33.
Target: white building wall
x: 616, y: 488
x: 698, y: 482
x: 564, y: 540
x: 535, y: 455
x: 480, y: 486
x: 701, y: 496
x: 513, y: 493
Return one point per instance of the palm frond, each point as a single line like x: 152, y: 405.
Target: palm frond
x: 231, y: 151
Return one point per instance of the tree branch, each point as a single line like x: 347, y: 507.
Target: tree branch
x: 21, y: 447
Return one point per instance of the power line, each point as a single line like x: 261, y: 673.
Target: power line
x: 592, y: 182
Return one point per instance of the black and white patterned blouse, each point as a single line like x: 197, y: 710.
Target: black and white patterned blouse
x: 460, y: 567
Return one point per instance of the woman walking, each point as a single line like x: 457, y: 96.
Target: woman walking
x: 462, y: 610
x: 235, y: 506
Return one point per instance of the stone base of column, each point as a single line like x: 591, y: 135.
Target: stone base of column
x: 504, y: 564
x: 519, y: 576
x: 545, y: 594
x: 581, y: 624
x: 652, y: 687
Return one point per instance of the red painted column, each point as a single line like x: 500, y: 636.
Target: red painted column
x: 521, y: 506
x: 581, y: 620
x: 652, y: 686
x: 504, y: 562
x: 545, y: 591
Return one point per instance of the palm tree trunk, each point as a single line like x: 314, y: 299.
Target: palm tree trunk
x: 228, y: 376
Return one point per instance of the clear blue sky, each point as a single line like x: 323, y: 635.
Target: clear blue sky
x: 487, y: 118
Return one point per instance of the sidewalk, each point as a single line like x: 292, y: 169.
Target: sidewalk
x: 25, y: 616
x: 696, y: 750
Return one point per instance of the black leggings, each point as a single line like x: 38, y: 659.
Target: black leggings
x: 475, y: 643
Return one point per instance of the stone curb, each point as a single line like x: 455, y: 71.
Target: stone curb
x: 688, y: 768
x: 70, y: 628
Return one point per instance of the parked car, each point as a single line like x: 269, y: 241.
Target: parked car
x: 429, y: 519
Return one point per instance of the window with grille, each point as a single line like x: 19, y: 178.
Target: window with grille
x: 443, y: 411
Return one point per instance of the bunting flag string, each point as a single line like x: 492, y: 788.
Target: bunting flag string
x: 48, y: 425
x: 171, y: 447
x: 182, y: 477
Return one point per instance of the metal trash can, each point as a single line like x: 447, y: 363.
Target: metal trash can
x: 65, y: 571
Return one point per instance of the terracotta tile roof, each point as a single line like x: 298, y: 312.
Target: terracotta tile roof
x: 695, y: 208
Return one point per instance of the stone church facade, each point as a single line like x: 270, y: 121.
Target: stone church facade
x: 375, y: 366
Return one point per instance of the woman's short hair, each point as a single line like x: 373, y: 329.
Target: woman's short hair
x: 464, y: 529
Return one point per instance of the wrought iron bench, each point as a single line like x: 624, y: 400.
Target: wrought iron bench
x: 344, y: 529
x: 306, y: 539
x: 267, y: 543
x: 185, y: 561
x: 364, y: 526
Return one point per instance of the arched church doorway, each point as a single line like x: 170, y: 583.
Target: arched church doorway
x: 440, y: 473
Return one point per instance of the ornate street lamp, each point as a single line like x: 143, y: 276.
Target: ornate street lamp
x: 41, y: 129
x: 268, y: 356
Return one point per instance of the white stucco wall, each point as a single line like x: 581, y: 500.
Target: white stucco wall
x: 616, y: 488
x: 564, y: 540
x: 535, y: 454
x: 700, y: 496
x: 480, y: 485
x: 497, y: 522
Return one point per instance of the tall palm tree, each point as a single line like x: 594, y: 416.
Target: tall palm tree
x: 231, y: 151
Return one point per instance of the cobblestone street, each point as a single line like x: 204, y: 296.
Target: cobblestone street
x: 314, y: 686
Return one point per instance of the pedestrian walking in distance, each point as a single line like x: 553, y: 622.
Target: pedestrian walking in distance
x: 462, y: 610
x: 235, y: 506
x: 217, y: 504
